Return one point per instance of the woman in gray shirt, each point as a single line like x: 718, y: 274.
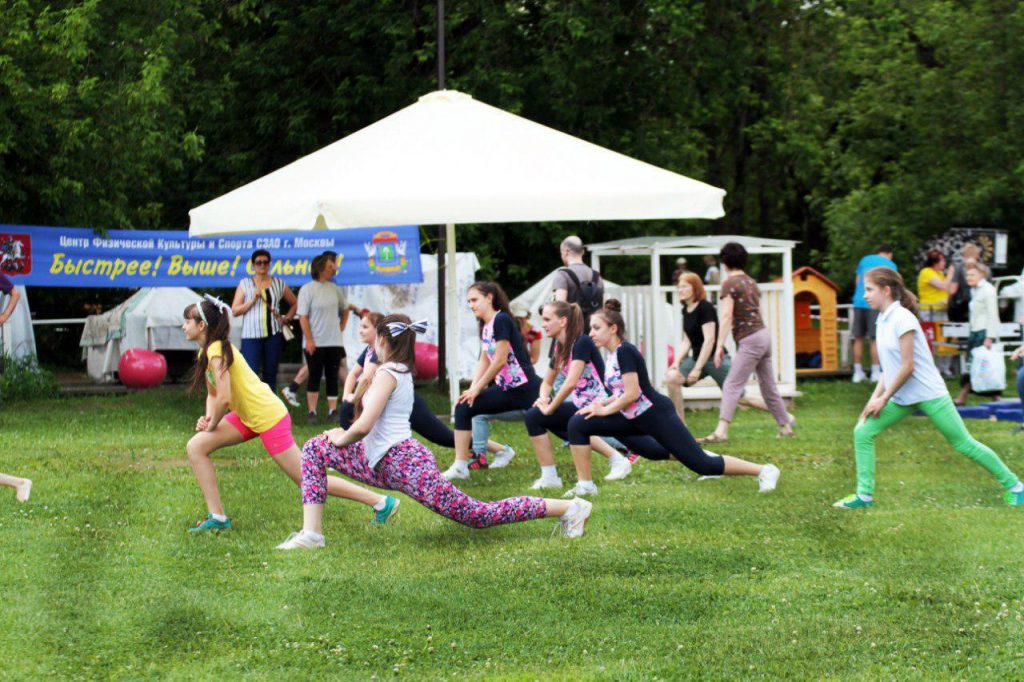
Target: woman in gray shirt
x: 323, y: 312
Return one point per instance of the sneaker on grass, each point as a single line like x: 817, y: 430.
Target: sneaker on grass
x: 381, y: 516
x: 1014, y: 499
x: 853, y: 502
x: 210, y: 524
x: 574, y: 521
x: 544, y: 482
x: 581, y: 489
x: 478, y: 460
x: 289, y: 396
x: 768, y: 478
x: 456, y: 473
x: 503, y: 458
x: 620, y: 470
x: 302, y: 540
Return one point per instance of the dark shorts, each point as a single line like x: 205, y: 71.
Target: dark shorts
x: 864, y: 320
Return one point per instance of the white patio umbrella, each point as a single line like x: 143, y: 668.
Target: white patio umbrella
x: 450, y: 159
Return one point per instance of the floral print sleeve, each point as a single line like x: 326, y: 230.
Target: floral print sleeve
x: 512, y: 374
x: 613, y: 380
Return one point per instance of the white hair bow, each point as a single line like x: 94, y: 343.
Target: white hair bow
x: 214, y: 300
x: 396, y: 328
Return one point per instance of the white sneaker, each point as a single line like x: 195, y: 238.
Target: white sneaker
x: 302, y: 540
x: 581, y: 489
x: 708, y: 477
x: 542, y: 483
x: 453, y: 473
x: 574, y: 521
x: 620, y: 470
x: 24, y: 490
x: 290, y: 397
x: 768, y: 478
x: 876, y: 376
x: 503, y: 458
x: 859, y: 376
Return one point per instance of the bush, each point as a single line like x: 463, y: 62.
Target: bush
x: 24, y: 379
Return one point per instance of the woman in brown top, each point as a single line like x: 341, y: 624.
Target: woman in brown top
x: 740, y: 312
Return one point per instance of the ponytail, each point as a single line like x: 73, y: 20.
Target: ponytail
x: 573, y: 330
x: 887, y: 277
x: 218, y: 328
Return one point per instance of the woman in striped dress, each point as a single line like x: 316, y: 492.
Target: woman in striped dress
x: 258, y: 302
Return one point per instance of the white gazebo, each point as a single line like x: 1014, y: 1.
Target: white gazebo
x: 450, y: 159
x: 652, y: 312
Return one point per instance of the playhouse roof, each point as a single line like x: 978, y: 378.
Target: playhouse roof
x: 807, y: 271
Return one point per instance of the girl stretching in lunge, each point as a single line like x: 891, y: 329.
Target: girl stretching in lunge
x: 379, y: 450
x: 22, y: 486
x: 636, y: 409
x: 576, y: 357
x: 424, y: 422
x: 239, y: 407
x: 503, y: 360
x: 910, y: 382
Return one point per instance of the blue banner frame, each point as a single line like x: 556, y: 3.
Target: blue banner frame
x: 81, y: 257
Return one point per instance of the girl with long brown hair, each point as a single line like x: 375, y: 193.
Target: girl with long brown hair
x: 379, y: 450
x: 240, y: 407
x: 910, y: 382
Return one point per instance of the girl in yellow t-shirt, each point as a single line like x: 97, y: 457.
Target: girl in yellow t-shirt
x: 240, y: 407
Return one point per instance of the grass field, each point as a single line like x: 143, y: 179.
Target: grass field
x: 674, y: 579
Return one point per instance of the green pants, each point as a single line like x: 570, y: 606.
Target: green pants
x: 943, y: 414
x: 708, y: 370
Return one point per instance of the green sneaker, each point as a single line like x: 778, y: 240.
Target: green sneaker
x: 211, y: 524
x: 1014, y: 499
x: 390, y: 509
x: 853, y: 502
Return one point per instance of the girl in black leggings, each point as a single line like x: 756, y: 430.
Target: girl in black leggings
x: 503, y: 360
x: 576, y: 357
x: 635, y: 408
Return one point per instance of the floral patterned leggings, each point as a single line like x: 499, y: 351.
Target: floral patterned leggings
x: 409, y: 467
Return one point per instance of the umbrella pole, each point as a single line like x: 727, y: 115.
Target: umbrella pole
x: 453, y: 342
x: 442, y: 317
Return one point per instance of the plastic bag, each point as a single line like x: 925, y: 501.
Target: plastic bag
x: 988, y: 369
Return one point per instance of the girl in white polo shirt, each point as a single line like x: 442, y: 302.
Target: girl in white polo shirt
x: 910, y: 382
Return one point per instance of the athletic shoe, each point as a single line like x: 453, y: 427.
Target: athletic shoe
x: 542, y: 483
x: 302, y: 540
x: 1014, y: 499
x: 632, y: 457
x: 768, y: 478
x: 453, y: 474
x: 503, y: 458
x: 289, y: 396
x: 859, y: 376
x: 876, y: 376
x: 478, y: 460
x: 311, y: 419
x: 708, y: 477
x: 211, y: 524
x: 581, y: 489
x: 619, y: 470
x: 23, y: 491
x: 381, y: 516
x: 574, y: 521
x: 853, y: 502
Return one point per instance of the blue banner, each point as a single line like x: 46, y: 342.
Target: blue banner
x: 78, y: 257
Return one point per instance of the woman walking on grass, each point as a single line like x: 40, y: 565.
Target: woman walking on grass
x: 910, y: 382
x: 240, y: 407
x: 379, y: 450
x: 636, y: 409
x: 740, y: 310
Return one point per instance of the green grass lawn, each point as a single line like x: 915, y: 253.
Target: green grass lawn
x: 674, y: 579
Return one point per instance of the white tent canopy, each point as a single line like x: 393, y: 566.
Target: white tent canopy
x: 450, y: 159
x: 151, y: 318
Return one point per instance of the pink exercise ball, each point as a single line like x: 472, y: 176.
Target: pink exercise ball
x: 426, y: 361
x: 671, y: 356
x: 141, y: 368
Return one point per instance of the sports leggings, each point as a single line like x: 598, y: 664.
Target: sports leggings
x: 661, y: 423
x: 537, y: 424
x: 422, y: 420
x: 493, y: 400
x: 947, y: 420
x: 324, y: 360
x: 409, y: 467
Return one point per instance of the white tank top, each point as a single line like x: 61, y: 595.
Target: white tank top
x: 392, y: 427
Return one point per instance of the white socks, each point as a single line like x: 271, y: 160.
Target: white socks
x: 549, y: 473
x: 380, y: 505
x: 857, y: 367
x: 1019, y: 488
x: 219, y: 517
x: 615, y: 458
x: 461, y: 466
x: 866, y: 498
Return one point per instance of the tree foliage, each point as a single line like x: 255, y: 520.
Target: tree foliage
x: 838, y: 124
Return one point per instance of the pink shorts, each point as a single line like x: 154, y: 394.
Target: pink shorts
x: 276, y: 439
